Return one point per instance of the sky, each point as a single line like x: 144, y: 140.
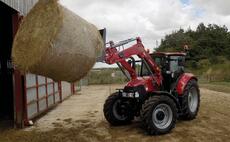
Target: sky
x: 149, y: 19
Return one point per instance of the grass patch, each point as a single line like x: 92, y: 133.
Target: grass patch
x: 216, y: 86
x: 105, y: 76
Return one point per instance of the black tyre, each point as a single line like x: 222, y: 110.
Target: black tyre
x: 190, y: 101
x: 159, y: 115
x: 117, y: 110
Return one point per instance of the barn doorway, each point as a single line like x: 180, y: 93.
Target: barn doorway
x: 6, y: 68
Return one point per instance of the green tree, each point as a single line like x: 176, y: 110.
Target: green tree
x: 206, y: 42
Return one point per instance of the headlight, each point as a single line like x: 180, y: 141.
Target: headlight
x: 124, y: 94
x: 129, y: 95
x: 137, y: 95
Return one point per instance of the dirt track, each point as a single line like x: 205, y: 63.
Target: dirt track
x: 83, y: 113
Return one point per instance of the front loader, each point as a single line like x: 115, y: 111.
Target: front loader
x: 159, y: 93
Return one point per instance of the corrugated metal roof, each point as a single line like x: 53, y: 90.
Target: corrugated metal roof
x: 22, y: 6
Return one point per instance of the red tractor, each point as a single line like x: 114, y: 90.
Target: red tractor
x: 158, y: 90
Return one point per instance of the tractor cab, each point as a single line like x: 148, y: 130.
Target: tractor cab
x: 171, y: 65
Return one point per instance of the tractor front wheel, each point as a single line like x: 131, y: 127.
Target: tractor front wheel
x: 159, y: 115
x: 117, y: 110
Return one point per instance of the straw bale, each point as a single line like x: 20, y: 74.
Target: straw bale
x: 53, y: 41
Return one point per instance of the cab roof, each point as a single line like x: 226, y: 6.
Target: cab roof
x: 169, y: 53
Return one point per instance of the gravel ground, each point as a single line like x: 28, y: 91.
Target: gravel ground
x: 80, y: 118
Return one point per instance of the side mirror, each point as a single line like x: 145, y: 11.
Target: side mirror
x: 103, y: 34
x: 132, y: 62
x: 101, y: 57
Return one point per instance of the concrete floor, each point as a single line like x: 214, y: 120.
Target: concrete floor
x: 84, y: 105
x: 82, y: 117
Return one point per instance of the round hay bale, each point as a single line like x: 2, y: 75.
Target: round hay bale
x: 53, y: 41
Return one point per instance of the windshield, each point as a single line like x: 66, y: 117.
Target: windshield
x: 176, y: 63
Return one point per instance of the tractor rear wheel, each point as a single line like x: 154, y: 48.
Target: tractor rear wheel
x: 190, y: 101
x: 117, y: 110
x: 159, y: 115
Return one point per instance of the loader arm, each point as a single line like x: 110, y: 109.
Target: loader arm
x: 113, y: 55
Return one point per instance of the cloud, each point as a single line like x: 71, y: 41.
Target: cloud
x: 149, y: 19
x: 220, y: 7
x: 213, y: 11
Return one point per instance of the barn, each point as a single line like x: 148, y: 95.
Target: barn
x: 23, y: 98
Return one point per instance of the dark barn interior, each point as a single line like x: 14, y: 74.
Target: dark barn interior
x: 6, y: 69
x: 18, y: 104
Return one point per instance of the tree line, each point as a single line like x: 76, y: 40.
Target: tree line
x: 205, y: 42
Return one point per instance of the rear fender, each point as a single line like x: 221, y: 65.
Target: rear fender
x: 184, y: 78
